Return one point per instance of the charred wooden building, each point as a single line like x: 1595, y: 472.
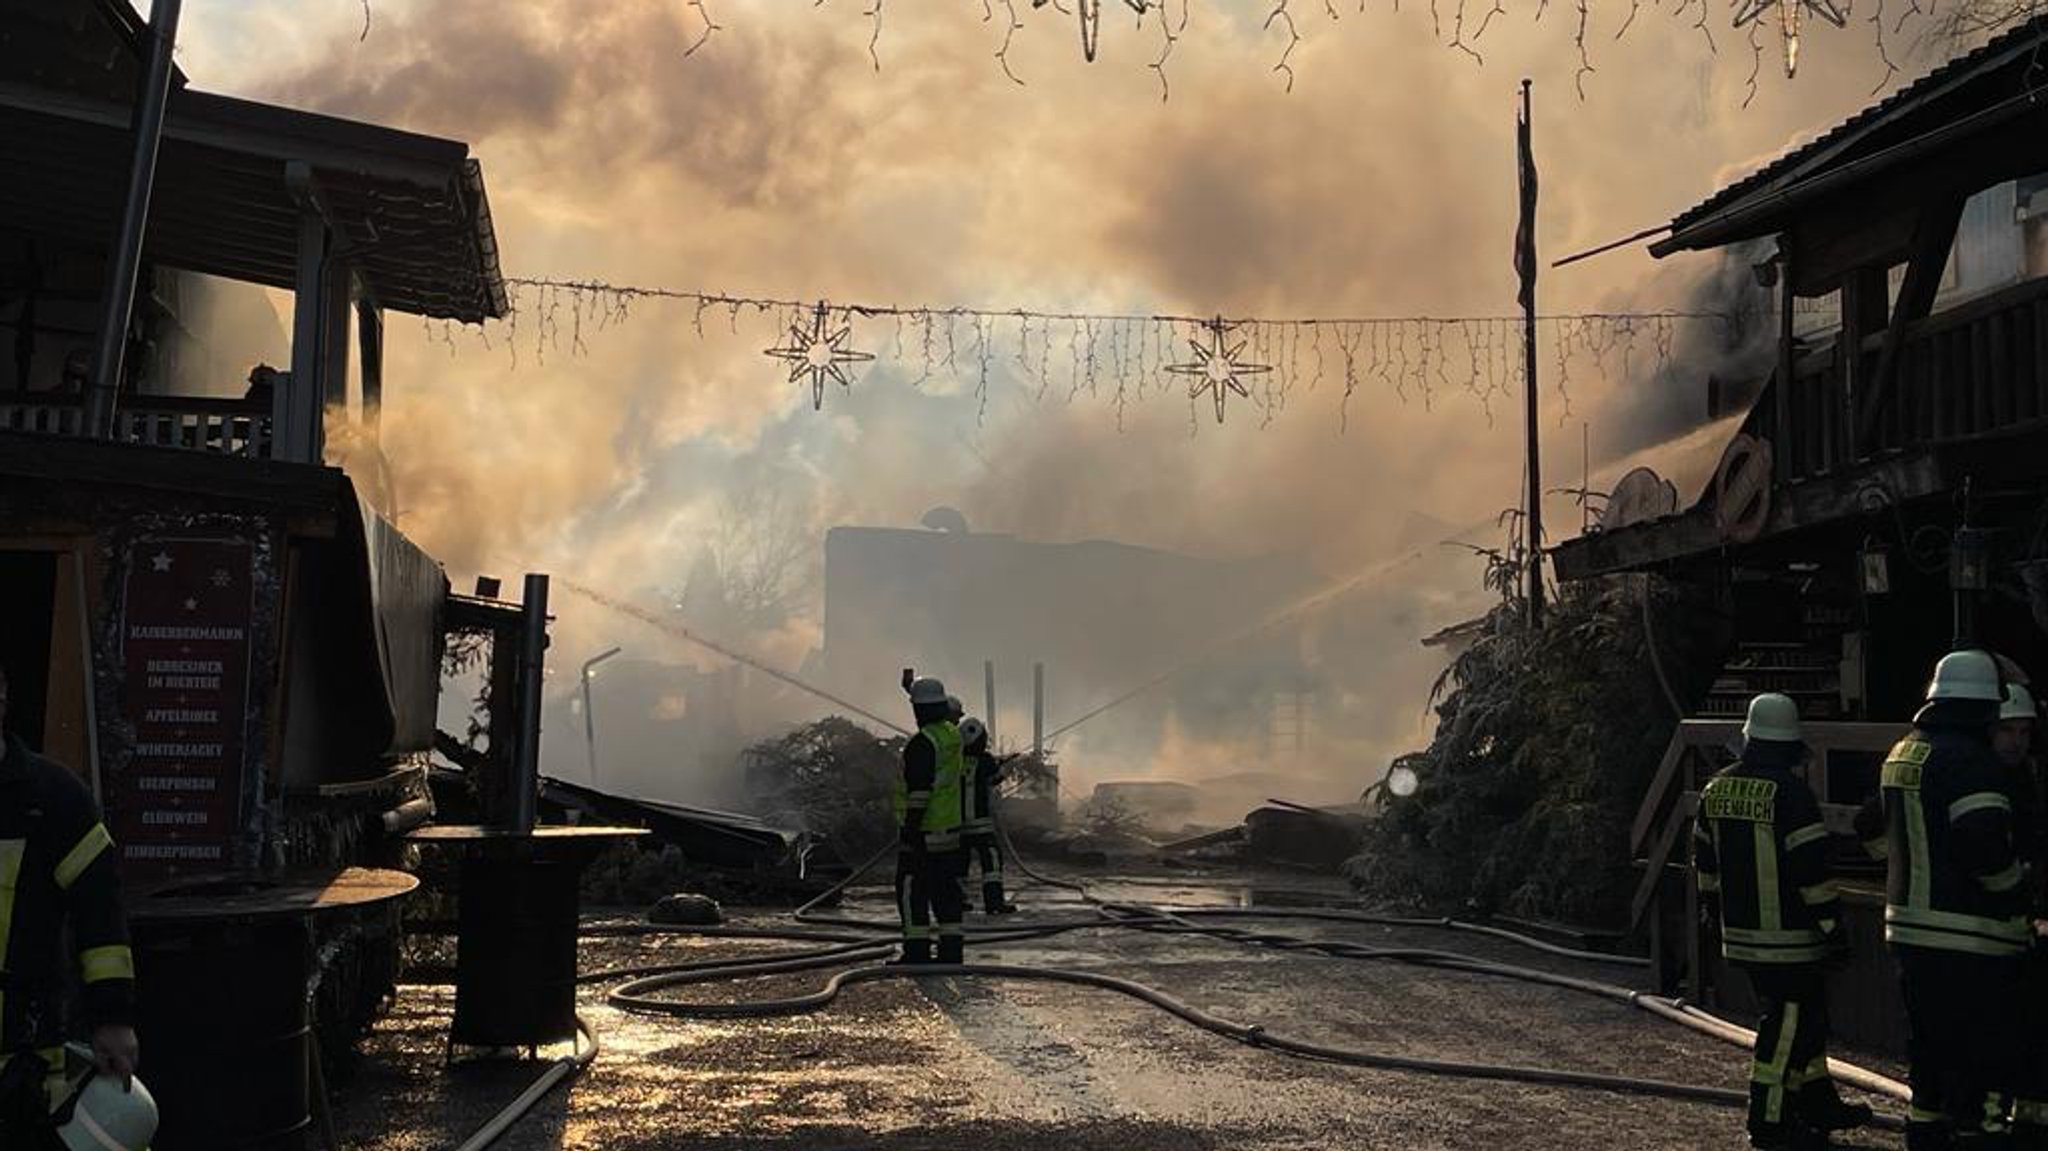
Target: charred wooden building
x: 1886, y: 495
x: 203, y: 613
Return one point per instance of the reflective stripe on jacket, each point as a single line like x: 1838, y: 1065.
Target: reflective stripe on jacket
x: 1759, y: 846
x: 1954, y: 880
x: 942, y: 795
x: 56, y: 870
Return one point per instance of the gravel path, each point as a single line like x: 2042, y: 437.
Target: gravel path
x: 957, y: 1063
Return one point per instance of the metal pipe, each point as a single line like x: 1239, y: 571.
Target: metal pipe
x: 1038, y: 710
x: 589, y: 724
x: 988, y: 687
x: 124, y: 263
x: 533, y: 656
x: 406, y: 816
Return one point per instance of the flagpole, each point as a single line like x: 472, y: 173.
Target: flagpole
x: 1534, y: 518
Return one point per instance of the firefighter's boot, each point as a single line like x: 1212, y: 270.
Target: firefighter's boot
x: 915, y: 952
x: 1787, y: 1137
x: 1823, y: 1109
x: 992, y: 901
x: 952, y: 949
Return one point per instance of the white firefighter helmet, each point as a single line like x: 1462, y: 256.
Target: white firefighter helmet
x: 1773, y: 717
x: 105, y: 1116
x: 2019, y: 704
x: 972, y: 731
x: 927, y: 690
x: 1966, y: 675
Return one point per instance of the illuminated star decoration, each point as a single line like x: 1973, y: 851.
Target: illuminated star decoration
x: 1749, y: 11
x: 1217, y: 367
x: 819, y: 352
x: 1091, y: 20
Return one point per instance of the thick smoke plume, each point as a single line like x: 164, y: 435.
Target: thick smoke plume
x: 672, y: 466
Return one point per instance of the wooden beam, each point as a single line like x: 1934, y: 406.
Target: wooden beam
x: 370, y: 340
x: 300, y: 435
x: 335, y: 293
x: 1863, y: 310
x: 1781, y: 386
x: 1933, y: 237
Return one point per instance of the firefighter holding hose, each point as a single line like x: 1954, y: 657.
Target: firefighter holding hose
x: 930, y: 808
x: 1760, y: 854
x: 984, y: 773
x: 60, y: 905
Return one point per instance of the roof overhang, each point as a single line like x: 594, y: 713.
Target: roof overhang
x: 1975, y: 121
x: 410, y: 210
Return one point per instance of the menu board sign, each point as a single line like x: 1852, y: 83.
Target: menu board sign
x: 185, y: 644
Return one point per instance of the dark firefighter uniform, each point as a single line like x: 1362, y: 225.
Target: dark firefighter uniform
x: 984, y: 772
x: 2030, y: 842
x: 1955, y: 917
x: 930, y: 808
x: 56, y: 869
x: 1760, y: 852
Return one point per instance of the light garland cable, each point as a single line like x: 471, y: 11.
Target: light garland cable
x: 1131, y: 356
x: 1455, y: 24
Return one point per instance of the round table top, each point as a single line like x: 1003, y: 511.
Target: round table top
x: 226, y: 896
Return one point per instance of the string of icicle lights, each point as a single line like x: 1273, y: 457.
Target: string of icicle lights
x: 1460, y: 25
x: 822, y: 347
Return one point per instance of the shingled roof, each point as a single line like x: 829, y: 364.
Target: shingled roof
x: 2014, y: 62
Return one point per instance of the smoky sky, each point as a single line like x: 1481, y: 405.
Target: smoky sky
x: 777, y: 160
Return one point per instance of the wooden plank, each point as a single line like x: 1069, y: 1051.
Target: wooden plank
x: 1934, y: 235
x: 1997, y: 337
x: 1676, y: 827
x: 2040, y: 309
x: 2026, y: 399
x: 1979, y: 368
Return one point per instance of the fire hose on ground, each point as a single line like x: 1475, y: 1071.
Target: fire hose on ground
x: 870, y: 941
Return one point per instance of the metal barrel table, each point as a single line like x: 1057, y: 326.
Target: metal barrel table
x: 224, y: 971
x: 515, y: 958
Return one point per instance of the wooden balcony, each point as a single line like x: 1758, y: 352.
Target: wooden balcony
x: 1978, y: 367
x: 225, y: 427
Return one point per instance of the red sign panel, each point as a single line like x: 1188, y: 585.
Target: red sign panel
x: 185, y: 644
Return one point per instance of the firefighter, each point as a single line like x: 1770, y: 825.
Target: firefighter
x: 1955, y: 909
x: 2012, y: 742
x: 60, y: 905
x: 1760, y: 853
x: 930, y: 807
x: 984, y: 772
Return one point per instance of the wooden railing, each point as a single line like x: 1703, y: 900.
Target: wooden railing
x: 1974, y: 368
x: 231, y: 427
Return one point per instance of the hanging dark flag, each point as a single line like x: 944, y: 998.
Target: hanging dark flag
x: 1525, y: 231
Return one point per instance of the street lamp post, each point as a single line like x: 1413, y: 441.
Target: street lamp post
x: 589, y: 725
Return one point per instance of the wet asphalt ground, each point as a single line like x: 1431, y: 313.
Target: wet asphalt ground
x: 966, y: 1063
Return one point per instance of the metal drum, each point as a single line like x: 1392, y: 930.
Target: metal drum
x: 515, y: 965
x: 225, y: 1030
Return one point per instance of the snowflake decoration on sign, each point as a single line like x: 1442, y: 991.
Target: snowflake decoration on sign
x: 1091, y: 20
x: 1218, y: 367
x: 820, y: 353
x: 1749, y: 11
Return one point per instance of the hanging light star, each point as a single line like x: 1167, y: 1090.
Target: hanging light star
x: 1218, y: 367
x: 1750, y: 11
x: 1091, y: 20
x: 819, y: 352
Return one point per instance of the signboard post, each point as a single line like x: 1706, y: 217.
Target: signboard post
x: 185, y: 646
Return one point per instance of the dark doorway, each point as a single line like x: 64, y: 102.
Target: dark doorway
x: 28, y: 589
